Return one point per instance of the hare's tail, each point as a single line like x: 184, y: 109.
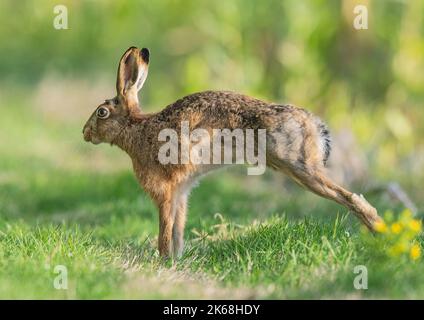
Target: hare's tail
x: 325, y: 138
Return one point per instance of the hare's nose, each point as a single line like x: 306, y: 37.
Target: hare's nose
x: 87, y: 133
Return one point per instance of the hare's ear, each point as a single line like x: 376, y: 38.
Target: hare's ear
x: 132, y: 72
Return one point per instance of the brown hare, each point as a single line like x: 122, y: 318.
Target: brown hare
x: 297, y: 143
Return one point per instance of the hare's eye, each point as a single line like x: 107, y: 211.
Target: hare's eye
x: 103, y: 113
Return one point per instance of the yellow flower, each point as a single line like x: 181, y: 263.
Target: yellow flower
x: 415, y: 225
x: 398, y: 235
x: 380, y: 226
x: 415, y: 252
x: 396, y: 228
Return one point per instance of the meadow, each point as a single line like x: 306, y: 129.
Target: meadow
x: 67, y: 203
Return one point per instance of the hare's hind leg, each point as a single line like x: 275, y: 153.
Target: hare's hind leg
x: 316, y: 181
x: 300, y: 148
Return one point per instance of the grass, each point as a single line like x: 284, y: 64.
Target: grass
x: 64, y: 202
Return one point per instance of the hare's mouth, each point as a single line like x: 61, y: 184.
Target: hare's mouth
x: 89, y: 137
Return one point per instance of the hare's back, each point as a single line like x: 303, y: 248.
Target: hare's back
x: 214, y: 108
x: 287, y: 126
x: 230, y: 110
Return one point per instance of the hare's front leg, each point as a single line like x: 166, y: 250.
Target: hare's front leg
x: 166, y: 221
x: 179, y: 224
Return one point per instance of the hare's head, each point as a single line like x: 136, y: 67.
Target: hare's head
x: 111, y: 117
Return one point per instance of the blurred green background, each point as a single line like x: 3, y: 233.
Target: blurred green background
x: 366, y: 84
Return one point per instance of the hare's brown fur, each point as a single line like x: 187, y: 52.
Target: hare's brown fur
x: 297, y: 143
